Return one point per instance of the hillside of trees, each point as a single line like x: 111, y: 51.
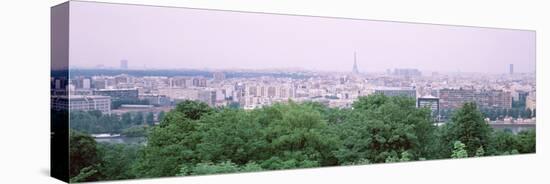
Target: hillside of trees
x: 195, y: 139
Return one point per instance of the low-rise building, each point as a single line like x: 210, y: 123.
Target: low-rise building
x: 431, y: 103
x: 118, y: 94
x: 82, y: 103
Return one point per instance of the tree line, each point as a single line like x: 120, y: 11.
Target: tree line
x: 195, y: 139
x: 498, y: 113
x: 94, y: 122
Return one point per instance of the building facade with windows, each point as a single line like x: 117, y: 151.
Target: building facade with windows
x: 83, y: 103
x: 431, y: 103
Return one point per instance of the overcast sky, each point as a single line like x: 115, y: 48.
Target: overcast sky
x: 169, y: 38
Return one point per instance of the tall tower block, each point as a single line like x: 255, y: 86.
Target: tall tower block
x: 355, y: 69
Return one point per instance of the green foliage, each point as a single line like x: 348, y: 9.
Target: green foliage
x: 405, y: 157
x: 150, y: 119
x: 160, y: 116
x: 357, y: 162
x: 513, y: 152
x: 355, y: 138
x: 275, y: 163
x: 168, y: 146
x: 173, y: 142
x: 135, y: 131
x: 93, y: 122
x: 194, y: 139
x: 504, y: 143
x: 193, y: 109
x: 127, y: 119
x: 370, y: 102
x: 209, y: 168
x: 230, y: 135
x: 117, y: 160
x: 138, y: 118
x: 300, y: 134
x: 82, y: 154
x: 459, y: 150
x: 480, y: 152
x: 84, y: 175
x: 90, y: 161
x: 468, y: 127
x: 515, y: 112
x: 391, y: 159
x: 219, y: 168
x: 234, y: 105
x: 527, y: 141
x: 275, y: 137
x: 251, y: 167
x: 382, y: 127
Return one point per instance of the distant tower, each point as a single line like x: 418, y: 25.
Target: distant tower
x: 355, y: 70
x: 124, y: 64
x: 511, y: 69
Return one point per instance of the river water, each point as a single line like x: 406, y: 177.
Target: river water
x: 122, y: 140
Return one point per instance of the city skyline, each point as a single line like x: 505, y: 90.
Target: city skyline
x: 158, y: 38
x: 147, y: 91
x: 505, y: 71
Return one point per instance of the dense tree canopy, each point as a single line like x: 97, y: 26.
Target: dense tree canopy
x: 117, y: 160
x: 469, y: 127
x: 83, y: 156
x: 196, y: 139
x: 380, y: 127
x: 459, y: 150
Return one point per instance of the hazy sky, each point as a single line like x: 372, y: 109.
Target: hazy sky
x: 157, y: 37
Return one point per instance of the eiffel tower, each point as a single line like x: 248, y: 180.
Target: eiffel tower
x: 355, y: 69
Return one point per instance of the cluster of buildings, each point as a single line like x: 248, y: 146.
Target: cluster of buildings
x: 436, y: 92
x: 454, y: 98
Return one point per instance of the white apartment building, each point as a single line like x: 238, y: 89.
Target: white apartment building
x: 82, y: 103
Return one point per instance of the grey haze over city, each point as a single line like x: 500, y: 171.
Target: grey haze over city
x: 170, y: 38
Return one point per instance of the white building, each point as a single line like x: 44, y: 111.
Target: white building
x: 83, y: 103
